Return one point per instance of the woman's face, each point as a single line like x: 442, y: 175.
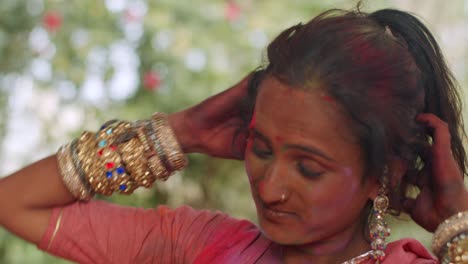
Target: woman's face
x: 300, y: 147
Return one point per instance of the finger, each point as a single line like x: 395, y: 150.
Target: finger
x: 445, y: 169
x: 441, y: 135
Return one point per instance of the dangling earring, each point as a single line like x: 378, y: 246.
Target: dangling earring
x: 378, y: 228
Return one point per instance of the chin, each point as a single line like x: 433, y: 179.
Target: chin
x: 278, y: 233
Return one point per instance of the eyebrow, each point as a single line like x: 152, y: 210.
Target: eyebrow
x: 308, y: 149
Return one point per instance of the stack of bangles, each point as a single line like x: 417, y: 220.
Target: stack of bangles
x: 450, y: 241
x: 120, y: 157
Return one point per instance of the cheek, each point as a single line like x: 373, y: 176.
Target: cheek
x: 342, y: 194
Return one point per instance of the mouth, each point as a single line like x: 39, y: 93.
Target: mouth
x: 276, y: 215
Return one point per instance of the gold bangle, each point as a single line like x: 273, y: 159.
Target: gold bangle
x: 86, y: 153
x: 101, y: 162
x: 142, y: 133
x: 111, y: 171
x: 449, y: 229
x: 79, y: 169
x: 158, y: 163
x: 144, y: 130
x: 136, y: 163
x: 70, y: 175
x: 170, y: 146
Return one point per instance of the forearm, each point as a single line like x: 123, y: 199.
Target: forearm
x: 36, y: 186
x: 28, y: 196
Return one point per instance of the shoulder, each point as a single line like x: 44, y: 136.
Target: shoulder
x: 408, y: 250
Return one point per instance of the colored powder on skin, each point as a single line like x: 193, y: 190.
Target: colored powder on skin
x: 261, y: 188
x: 328, y: 98
x: 347, y: 171
x: 252, y: 122
x: 279, y: 139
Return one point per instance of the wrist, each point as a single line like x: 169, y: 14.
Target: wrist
x: 183, y: 133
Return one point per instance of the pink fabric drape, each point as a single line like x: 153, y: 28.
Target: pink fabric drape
x: 100, y: 232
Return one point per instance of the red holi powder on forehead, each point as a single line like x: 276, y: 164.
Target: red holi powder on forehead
x: 328, y: 98
x: 252, y: 122
x: 279, y: 138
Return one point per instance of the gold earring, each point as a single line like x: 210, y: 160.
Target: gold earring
x: 378, y: 229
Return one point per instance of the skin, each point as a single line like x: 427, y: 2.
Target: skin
x: 319, y: 168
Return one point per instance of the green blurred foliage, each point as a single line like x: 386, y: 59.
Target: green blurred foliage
x: 231, y: 44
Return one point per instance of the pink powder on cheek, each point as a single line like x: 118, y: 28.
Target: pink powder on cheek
x: 261, y: 187
x: 347, y: 171
x: 340, y: 199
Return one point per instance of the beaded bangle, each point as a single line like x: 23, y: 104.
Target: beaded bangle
x: 448, y: 230
x: 111, y: 173
x: 90, y: 163
x: 456, y: 251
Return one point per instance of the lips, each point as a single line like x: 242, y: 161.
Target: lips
x: 276, y: 215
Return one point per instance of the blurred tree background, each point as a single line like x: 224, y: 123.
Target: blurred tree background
x: 66, y: 66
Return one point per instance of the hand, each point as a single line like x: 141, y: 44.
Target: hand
x: 442, y: 191
x: 211, y: 126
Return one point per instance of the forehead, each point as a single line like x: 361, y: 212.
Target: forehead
x: 301, y: 115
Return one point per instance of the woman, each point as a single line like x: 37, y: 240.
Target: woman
x: 350, y: 110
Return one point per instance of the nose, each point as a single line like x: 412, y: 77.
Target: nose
x: 273, y: 187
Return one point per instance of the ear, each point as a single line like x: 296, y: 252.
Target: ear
x: 396, y: 170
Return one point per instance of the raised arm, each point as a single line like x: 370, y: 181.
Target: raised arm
x: 28, y: 196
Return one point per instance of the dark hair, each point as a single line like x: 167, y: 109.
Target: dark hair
x: 383, y: 68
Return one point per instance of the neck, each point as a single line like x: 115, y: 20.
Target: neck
x: 337, y: 249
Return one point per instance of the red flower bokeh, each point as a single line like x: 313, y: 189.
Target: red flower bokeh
x: 151, y: 80
x: 232, y: 11
x: 52, y: 20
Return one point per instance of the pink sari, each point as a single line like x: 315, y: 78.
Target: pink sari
x: 100, y: 232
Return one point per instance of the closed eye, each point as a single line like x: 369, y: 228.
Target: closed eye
x: 307, y: 171
x: 261, y: 153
